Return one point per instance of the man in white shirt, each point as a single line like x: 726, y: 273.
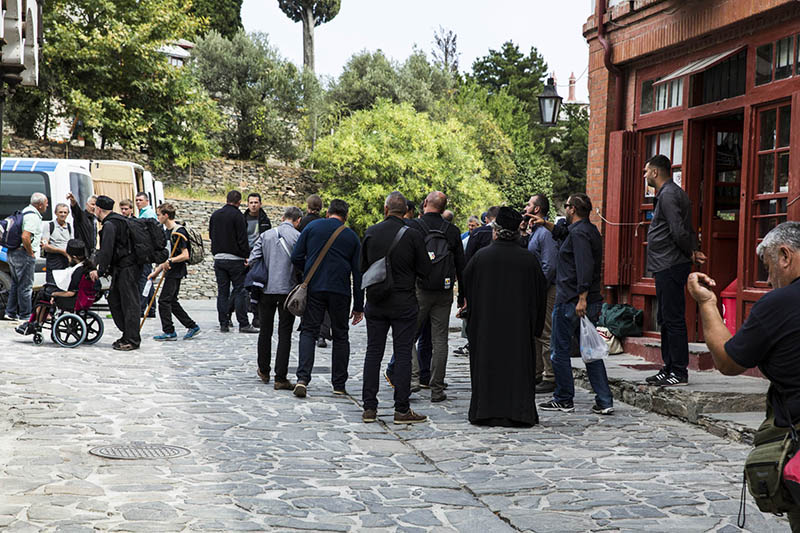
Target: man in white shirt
x: 55, y: 236
x: 22, y: 260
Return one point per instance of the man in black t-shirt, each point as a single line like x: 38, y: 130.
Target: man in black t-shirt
x: 770, y: 336
x: 174, y: 270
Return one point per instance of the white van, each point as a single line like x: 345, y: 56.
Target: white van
x: 21, y: 177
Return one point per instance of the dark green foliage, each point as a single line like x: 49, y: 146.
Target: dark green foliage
x: 222, y: 16
x: 322, y: 10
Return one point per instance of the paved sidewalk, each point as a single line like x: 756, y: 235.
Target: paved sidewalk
x: 262, y: 460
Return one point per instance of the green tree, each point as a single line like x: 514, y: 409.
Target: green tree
x: 445, y: 50
x: 366, y: 77
x: 104, y: 65
x: 260, y: 93
x: 311, y: 13
x: 224, y: 17
x: 422, y: 83
x: 569, y: 148
x: 393, y: 147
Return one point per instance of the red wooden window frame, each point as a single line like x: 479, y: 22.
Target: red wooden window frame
x: 769, y: 201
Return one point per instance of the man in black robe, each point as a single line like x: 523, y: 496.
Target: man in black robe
x: 507, y: 296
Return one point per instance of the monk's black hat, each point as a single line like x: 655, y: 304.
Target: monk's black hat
x: 76, y: 247
x: 104, y: 202
x: 508, y: 218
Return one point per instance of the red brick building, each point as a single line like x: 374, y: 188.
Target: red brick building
x: 715, y: 86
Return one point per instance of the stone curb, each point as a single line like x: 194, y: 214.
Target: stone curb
x: 690, y: 406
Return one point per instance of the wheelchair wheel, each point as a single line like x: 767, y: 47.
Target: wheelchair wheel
x: 69, y: 330
x: 38, y: 339
x: 94, y: 327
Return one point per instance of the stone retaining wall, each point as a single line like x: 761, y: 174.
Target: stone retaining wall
x: 274, y: 181
x: 201, y: 283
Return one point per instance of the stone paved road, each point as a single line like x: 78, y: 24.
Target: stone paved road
x: 262, y: 460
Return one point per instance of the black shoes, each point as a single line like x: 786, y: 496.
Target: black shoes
x: 435, y: 398
x: 283, y: 384
x: 321, y: 343
x: 224, y: 328
x: 545, y: 387
x: 369, y: 415
x: 652, y: 380
x: 340, y: 391
x: 672, y: 381
x: 596, y: 409
x: 248, y: 329
x: 552, y: 405
x: 409, y: 417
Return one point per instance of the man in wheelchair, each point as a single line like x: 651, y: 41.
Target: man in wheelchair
x: 64, y: 304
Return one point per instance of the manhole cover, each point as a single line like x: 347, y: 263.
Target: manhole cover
x: 139, y: 451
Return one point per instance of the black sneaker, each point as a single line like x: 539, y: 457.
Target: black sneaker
x: 552, y: 405
x: 596, y: 409
x: 248, y: 329
x: 672, y: 381
x: 545, y: 387
x: 652, y: 380
x: 321, y: 343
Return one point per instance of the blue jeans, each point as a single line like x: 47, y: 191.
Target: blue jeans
x: 566, y: 325
x: 19, y: 295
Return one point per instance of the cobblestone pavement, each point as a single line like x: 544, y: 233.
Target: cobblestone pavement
x: 264, y: 460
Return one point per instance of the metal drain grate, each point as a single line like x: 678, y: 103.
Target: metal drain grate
x: 139, y: 451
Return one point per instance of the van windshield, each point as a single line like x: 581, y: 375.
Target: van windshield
x: 16, y: 189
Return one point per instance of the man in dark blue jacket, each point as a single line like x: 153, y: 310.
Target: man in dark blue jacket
x: 228, y: 232
x: 329, y: 290
x: 578, y: 286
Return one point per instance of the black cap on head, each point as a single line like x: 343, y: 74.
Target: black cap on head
x: 76, y: 247
x: 104, y: 202
x: 508, y: 218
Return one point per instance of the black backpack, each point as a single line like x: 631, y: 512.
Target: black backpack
x: 443, y: 263
x: 148, y: 241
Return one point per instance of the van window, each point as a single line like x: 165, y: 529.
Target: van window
x: 16, y: 189
x: 80, y: 185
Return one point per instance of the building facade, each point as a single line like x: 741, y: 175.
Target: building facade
x: 715, y: 86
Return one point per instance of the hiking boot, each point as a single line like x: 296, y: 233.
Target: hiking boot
x: 166, y: 337
x: 300, y: 389
x: 248, y: 329
x: 264, y: 376
x: 652, y: 380
x: 435, y: 398
x: 596, y: 409
x: 321, y: 343
x: 672, y: 381
x: 409, y: 417
x: 388, y: 377
x: 552, y: 405
x: 192, y: 333
x: 283, y: 384
x: 545, y: 387
x: 369, y: 415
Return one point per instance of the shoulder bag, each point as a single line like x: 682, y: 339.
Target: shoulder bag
x: 297, y: 297
x: 378, y: 277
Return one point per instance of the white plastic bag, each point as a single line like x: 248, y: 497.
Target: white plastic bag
x: 593, y: 346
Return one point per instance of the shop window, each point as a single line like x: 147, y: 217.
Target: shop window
x: 658, y: 97
x: 724, y: 80
x: 772, y: 168
x: 778, y: 60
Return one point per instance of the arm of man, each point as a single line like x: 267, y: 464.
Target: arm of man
x: 106, y: 251
x: 27, y: 236
x: 714, y: 330
x: 256, y: 252
x: 584, y: 270
x: 358, y: 293
x: 364, y: 259
x: 539, y: 293
x: 681, y: 236
x: 299, y: 252
x: 458, y: 256
x: 240, y: 232
x: 549, y: 257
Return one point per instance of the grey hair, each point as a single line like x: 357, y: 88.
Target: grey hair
x: 292, y: 213
x: 784, y: 234
x: 473, y: 218
x: 92, y: 197
x: 38, y: 198
x: 61, y: 204
x: 396, y: 202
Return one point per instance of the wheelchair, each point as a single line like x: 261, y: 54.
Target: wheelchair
x: 69, y: 325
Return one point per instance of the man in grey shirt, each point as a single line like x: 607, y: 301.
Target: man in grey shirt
x: 671, y: 250
x: 275, y: 248
x: 55, y: 236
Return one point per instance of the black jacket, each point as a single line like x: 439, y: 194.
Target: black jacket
x: 306, y: 220
x: 228, y: 232
x: 115, y: 249
x: 85, y: 228
x: 670, y: 238
x: 580, y: 257
x: 479, y: 238
x: 435, y: 221
x: 409, y: 260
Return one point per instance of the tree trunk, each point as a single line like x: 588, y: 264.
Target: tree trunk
x: 308, y: 37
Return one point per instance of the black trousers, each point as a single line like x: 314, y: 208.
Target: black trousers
x: 231, y: 273
x: 338, y: 307
x: 404, y: 328
x: 123, y: 300
x: 267, y: 305
x: 168, y: 305
x: 670, y: 293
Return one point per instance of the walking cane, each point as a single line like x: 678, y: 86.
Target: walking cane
x: 160, y: 281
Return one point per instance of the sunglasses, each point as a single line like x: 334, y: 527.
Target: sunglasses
x: 569, y: 205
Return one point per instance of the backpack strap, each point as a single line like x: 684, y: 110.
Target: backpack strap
x: 52, y: 227
x: 425, y: 226
x: 321, y: 255
x: 282, y: 242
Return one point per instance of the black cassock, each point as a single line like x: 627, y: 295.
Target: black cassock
x: 506, y: 297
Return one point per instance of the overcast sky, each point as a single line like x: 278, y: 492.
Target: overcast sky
x: 554, y: 28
